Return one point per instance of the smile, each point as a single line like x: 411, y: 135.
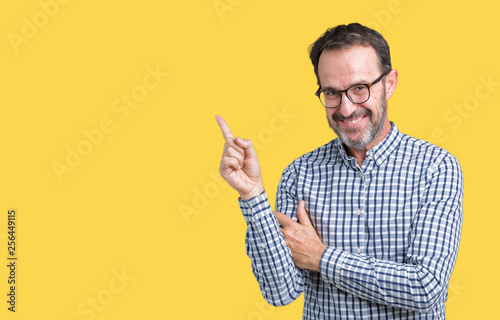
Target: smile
x: 353, y: 121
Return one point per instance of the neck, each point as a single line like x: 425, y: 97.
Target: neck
x: 360, y: 153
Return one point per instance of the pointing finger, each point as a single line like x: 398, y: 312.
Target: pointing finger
x: 226, y: 132
x: 283, y: 219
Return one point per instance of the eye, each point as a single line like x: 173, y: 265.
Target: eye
x: 359, y: 88
x: 330, y: 93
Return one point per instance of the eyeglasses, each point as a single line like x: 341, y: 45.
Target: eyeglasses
x: 358, y: 93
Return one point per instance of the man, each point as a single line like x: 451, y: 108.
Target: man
x: 368, y: 226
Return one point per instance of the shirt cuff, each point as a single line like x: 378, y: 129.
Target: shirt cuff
x: 255, y: 208
x: 330, y: 264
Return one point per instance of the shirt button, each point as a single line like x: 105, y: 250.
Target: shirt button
x: 359, y: 212
x: 358, y: 250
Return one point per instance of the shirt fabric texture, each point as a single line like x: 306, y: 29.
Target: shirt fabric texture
x: 392, y: 228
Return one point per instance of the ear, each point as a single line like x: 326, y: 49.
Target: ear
x: 391, y: 81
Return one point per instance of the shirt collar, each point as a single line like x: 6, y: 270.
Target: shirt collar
x: 378, y: 153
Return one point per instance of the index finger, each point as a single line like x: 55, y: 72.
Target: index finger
x: 226, y: 132
x: 283, y: 219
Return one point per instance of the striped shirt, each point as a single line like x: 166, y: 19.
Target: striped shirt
x: 392, y: 227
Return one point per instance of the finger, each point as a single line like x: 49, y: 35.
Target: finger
x: 283, y: 219
x: 232, y: 152
x: 247, y: 146
x: 226, y: 132
x: 230, y: 162
x: 231, y: 143
x: 302, y: 214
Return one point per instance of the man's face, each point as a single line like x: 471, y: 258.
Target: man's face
x: 364, y: 125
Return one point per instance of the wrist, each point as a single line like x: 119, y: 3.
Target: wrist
x: 255, y: 192
x: 317, y: 259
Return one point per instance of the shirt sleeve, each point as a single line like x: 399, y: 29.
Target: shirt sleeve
x: 272, y: 265
x: 422, y: 280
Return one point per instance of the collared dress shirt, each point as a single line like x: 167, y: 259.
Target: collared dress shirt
x: 392, y: 227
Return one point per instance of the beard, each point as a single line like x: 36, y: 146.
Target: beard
x: 370, y: 133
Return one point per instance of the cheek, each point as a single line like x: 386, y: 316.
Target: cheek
x: 373, y: 104
x: 372, y: 107
x: 378, y: 97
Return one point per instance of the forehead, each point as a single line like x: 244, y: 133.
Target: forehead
x: 340, y: 68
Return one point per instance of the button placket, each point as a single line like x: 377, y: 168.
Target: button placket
x: 360, y: 213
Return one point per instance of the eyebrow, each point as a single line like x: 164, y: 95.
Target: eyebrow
x: 354, y: 84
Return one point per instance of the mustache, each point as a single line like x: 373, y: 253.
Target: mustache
x: 355, y: 114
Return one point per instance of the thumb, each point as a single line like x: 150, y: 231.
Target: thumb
x: 302, y: 214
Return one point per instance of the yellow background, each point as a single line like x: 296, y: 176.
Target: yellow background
x: 146, y: 201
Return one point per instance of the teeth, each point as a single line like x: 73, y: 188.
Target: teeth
x: 353, y: 121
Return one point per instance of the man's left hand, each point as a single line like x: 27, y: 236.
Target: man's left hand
x: 302, y: 239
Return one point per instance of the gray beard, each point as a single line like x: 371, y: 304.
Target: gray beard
x: 370, y: 133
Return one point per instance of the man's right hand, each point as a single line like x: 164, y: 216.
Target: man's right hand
x: 239, y: 165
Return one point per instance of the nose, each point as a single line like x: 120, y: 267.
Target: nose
x: 346, y: 107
